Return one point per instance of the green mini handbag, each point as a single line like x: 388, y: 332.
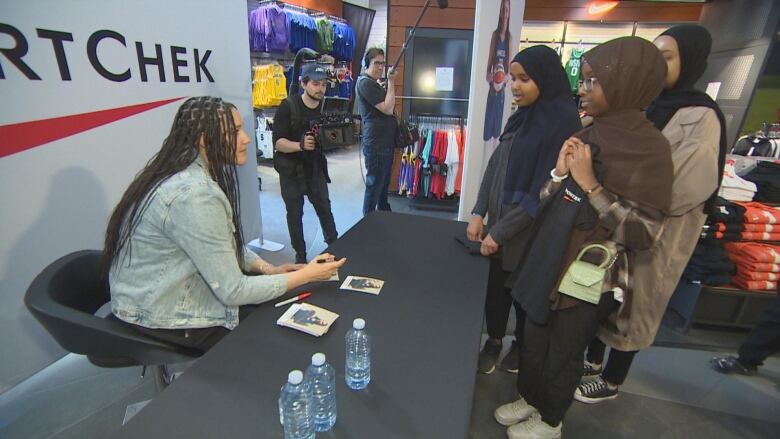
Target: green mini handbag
x: 584, y: 280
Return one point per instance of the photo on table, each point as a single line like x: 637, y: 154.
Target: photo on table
x: 363, y: 284
x: 308, y: 318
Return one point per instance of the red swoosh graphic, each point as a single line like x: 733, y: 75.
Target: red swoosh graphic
x: 22, y: 136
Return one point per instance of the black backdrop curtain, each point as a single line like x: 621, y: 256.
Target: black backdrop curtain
x: 360, y: 19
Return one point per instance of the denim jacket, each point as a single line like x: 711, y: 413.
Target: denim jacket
x: 179, y: 269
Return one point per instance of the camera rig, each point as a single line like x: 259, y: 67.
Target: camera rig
x: 337, y: 127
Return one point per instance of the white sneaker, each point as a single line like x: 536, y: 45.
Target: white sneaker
x: 534, y: 428
x: 514, y: 412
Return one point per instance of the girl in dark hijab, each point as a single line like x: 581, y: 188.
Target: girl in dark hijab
x: 612, y: 186
x: 694, y: 126
x: 516, y: 171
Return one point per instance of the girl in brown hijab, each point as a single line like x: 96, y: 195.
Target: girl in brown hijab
x: 612, y: 186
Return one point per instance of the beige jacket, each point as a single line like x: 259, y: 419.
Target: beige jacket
x: 694, y: 134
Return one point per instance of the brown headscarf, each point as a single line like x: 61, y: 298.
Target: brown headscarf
x: 636, y: 157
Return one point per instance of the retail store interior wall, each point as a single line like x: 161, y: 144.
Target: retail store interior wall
x: 743, y: 32
x: 57, y: 191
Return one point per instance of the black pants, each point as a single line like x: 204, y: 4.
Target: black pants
x: 199, y: 339
x: 315, y: 188
x: 498, y: 303
x: 618, y: 364
x: 551, y: 356
x: 764, y: 339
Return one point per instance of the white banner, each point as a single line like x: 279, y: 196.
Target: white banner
x: 89, y: 90
x: 496, y: 39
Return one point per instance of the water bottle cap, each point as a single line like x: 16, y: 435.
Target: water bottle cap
x: 295, y: 377
x: 358, y: 323
x: 318, y: 359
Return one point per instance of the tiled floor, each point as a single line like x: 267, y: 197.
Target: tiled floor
x: 670, y: 393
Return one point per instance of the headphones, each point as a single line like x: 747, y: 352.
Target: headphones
x: 366, y: 60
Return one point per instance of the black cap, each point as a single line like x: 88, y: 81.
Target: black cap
x: 314, y: 72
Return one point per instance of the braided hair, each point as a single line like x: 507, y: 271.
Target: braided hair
x: 206, y: 121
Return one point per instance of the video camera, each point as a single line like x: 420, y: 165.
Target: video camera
x: 336, y: 128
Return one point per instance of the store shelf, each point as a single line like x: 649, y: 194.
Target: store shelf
x: 730, y: 306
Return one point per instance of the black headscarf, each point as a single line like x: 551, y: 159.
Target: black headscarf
x: 694, y: 43
x: 539, y: 129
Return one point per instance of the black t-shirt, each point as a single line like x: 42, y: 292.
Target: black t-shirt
x: 293, y: 130
x: 297, y: 163
x: 371, y: 93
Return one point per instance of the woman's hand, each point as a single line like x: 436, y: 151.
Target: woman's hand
x: 322, y: 268
x: 489, y: 246
x: 581, y: 166
x: 475, y: 228
x: 562, y: 165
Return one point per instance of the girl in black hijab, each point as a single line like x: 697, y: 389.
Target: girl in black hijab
x: 695, y: 128
x: 516, y: 171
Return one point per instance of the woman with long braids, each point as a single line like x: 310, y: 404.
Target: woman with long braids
x: 174, y: 252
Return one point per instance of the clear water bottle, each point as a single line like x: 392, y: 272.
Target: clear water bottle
x: 358, y: 368
x: 321, y: 377
x: 296, y: 410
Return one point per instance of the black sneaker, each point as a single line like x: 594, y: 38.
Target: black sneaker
x: 730, y: 364
x: 511, y: 361
x: 300, y: 258
x: 595, y: 391
x: 591, y: 370
x: 488, y: 357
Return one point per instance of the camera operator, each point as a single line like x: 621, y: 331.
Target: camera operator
x: 301, y: 165
x: 376, y: 106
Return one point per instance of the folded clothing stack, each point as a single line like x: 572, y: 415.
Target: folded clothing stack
x: 759, y: 222
x: 766, y: 176
x: 735, y: 188
x: 758, y: 265
x: 709, y: 265
x: 725, y: 223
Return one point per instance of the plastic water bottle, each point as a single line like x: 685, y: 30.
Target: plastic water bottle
x: 322, y: 379
x: 296, y: 410
x: 358, y: 368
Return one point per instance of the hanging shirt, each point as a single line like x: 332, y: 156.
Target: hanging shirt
x: 324, y: 35
x: 452, y: 161
x: 343, y: 41
x: 303, y: 31
x: 573, y: 68
x: 460, y: 137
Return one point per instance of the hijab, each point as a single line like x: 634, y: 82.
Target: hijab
x: 694, y: 43
x: 635, y: 157
x: 539, y: 129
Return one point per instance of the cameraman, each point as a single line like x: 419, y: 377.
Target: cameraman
x: 376, y: 107
x: 301, y: 165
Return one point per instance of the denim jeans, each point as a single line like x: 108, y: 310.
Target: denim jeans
x: 379, y: 166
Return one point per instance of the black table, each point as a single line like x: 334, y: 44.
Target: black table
x: 426, y: 326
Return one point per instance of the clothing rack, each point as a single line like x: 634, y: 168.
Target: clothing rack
x: 437, y: 120
x: 310, y: 12
x: 434, y: 122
